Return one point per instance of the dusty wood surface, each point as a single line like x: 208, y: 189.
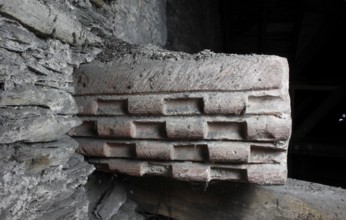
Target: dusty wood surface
x: 184, y: 200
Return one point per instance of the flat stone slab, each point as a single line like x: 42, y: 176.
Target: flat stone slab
x: 33, y: 124
x: 138, y: 74
x: 196, y: 117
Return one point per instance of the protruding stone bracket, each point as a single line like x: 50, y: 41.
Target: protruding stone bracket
x: 194, y: 118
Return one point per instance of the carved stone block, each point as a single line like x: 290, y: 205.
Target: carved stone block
x: 195, y: 118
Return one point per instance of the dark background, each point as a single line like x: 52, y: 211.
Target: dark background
x: 311, y: 35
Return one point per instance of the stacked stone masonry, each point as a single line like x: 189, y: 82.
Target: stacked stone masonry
x: 41, y: 44
x: 41, y: 176
x: 196, y: 117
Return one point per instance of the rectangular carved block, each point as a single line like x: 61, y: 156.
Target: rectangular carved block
x: 203, y: 151
x: 229, y: 152
x: 154, y: 150
x: 263, y: 127
x: 218, y: 73
x: 115, y: 107
x: 115, y: 128
x: 225, y: 103
x: 188, y: 128
x: 183, y: 106
x: 139, y: 105
x: 194, y: 118
x: 194, y: 103
x: 191, y: 152
x: 150, y: 129
x: 252, y: 173
x: 226, y: 130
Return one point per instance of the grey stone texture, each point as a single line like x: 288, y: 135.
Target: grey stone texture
x: 48, y: 20
x: 33, y: 124
x: 140, y: 21
x: 38, y: 180
x: 40, y: 172
x: 41, y: 176
x: 41, y: 43
x: 198, y: 117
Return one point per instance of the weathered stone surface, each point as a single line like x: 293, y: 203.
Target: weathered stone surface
x: 141, y: 22
x: 223, y: 117
x: 143, y: 74
x: 41, y: 42
x: 200, y: 172
x: 59, y: 101
x: 77, y: 172
x: 48, y: 20
x: 35, y: 178
x: 43, y: 179
x: 264, y: 128
x: 27, y: 59
x: 77, y: 208
x: 40, y: 155
x: 13, y: 70
x: 33, y: 124
x: 196, y: 103
x: 203, y: 151
x: 136, y: 22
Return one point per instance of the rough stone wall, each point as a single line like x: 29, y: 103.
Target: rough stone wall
x: 41, y: 43
x: 140, y: 21
x: 40, y: 172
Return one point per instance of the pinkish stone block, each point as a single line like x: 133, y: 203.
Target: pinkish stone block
x: 194, y: 118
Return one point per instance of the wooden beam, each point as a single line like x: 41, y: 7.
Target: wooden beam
x: 225, y: 200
